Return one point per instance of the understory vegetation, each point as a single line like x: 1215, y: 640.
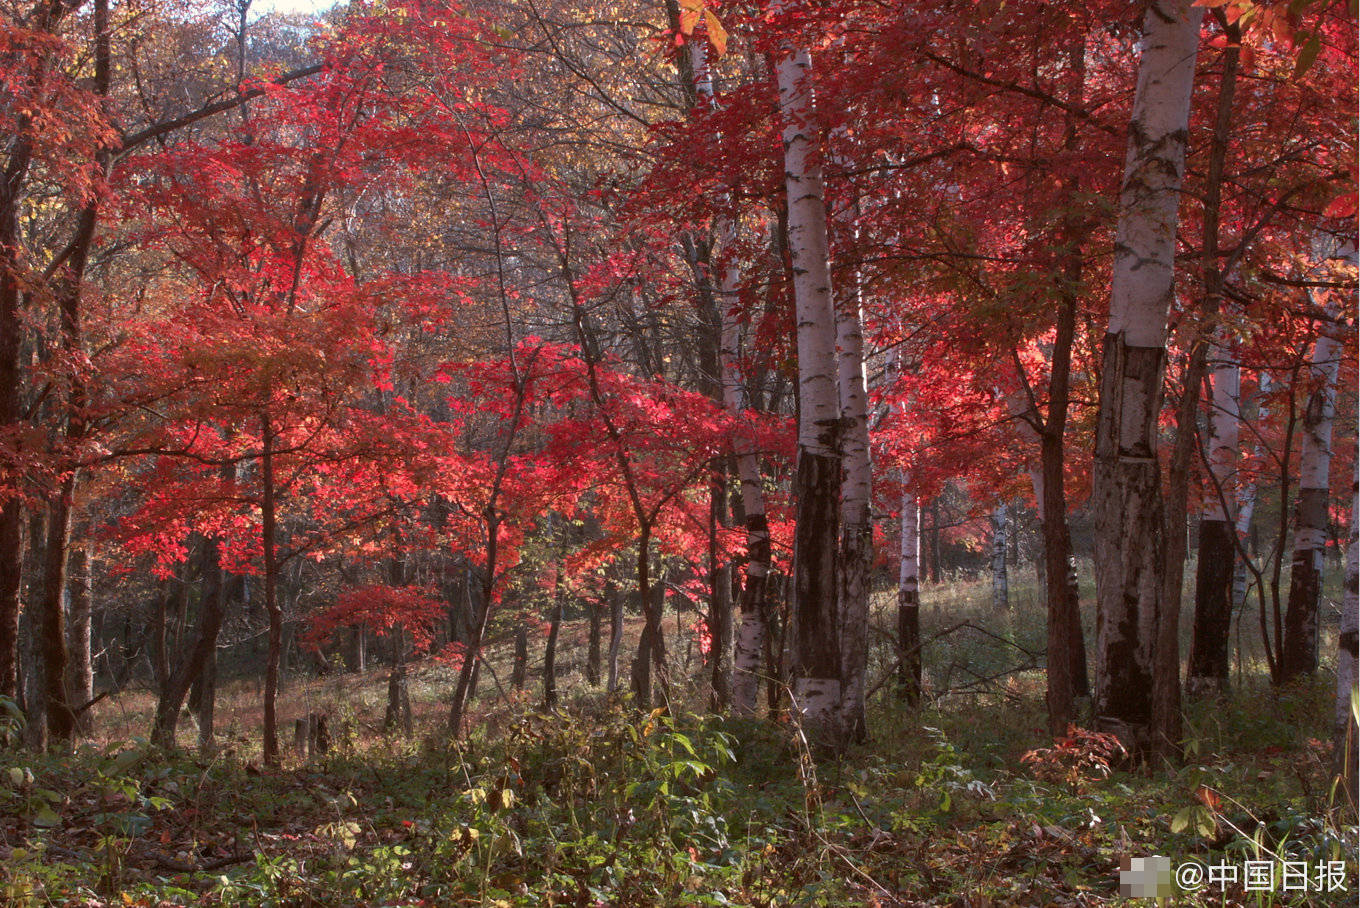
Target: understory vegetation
x: 598, y: 803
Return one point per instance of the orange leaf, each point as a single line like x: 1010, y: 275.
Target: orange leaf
x: 716, y: 33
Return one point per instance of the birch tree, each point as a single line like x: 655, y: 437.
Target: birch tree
x: 1310, y: 516
x: 856, y: 541
x: 1208, y: 668
x: 751, y: 634
x: 1346, y: 692
x: 816, y: 618
x: 1000, y: 581
x: 1126, y: 493
x: 909, y: 599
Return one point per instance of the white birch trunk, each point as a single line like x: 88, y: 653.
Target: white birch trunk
x: 1225, y: 418
x: 1207, y: 671
x: 1036, y: 482
x: 1000, y: 581
x: 751, y: 633
x: 1126, y: 494
x: 817, y: 684
x: 1246, y: 508
x: 856, y: 545
x: 909, y: 600
x: 1346, y: 691
x: 1310, y: 517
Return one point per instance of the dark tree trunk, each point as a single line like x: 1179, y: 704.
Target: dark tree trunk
x: 271, y: 602
x: 11, y: 546
x: 593, y: 655
x: 1166, y: 707
x: 909, y: 646
x: 611, y: 596
x: 651, y: 653
x: 80, y: 668
x: 1208, y: 670
x: 11, y: 406
x: 190, y: 667
x: 205, y: 703
x: 61, y: 718
x: 550, y: 649
x: 816, y: 636
x: 398, y: 714
x: 467, y: 673
x: 1067, y: 662
x: 519, y: 672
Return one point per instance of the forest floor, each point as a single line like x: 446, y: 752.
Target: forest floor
x: 957, y: 803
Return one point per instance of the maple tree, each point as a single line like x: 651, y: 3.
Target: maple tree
x: 515, y: 294
x: 468, y: 329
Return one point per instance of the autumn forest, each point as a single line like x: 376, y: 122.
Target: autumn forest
x: 678, y: 452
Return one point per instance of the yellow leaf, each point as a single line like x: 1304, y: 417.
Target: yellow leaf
x: 716, y: 33
x: 690, y: 11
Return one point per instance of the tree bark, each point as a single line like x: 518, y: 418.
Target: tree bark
x: 720, y: 592
x: 856, y: 533
x: 80, y: 668
x: 1000, y: 580
x: 191, y: 665
x: 593, y: 657
x: 206, y: 703
x: 1126, y: 493
x: 611, y: 596
x: 61, y: 717
x: 750, y: 639
x: 1301, y: 628
x: 271, y: 602
x: 1346, y: 734
x: 550, y: 647
x: 817, y: 686
x: 519, y: 672
x: 909, y: 601
x: 1208, y: 669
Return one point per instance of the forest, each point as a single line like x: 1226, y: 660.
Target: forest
x: 678, y: 452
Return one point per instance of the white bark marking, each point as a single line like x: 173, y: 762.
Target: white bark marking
x: 1225, y: 418
x: 1145, y: 239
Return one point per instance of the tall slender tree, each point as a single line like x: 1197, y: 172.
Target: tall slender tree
x: 1126, y: 494
x: 816, y: 618
x: 1301, y: 626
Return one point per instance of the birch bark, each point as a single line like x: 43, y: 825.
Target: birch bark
x: 1208, y: 669
x: 1126, y: 494
x: 909, y: 600
x: 750, y: 637
x: 816, y: 648
x: 856, y: 542
x: 1310, y: 516
x: 1346, y: 691
x: 1000, y: 581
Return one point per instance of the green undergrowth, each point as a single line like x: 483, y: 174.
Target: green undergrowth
x: 603, y: 805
